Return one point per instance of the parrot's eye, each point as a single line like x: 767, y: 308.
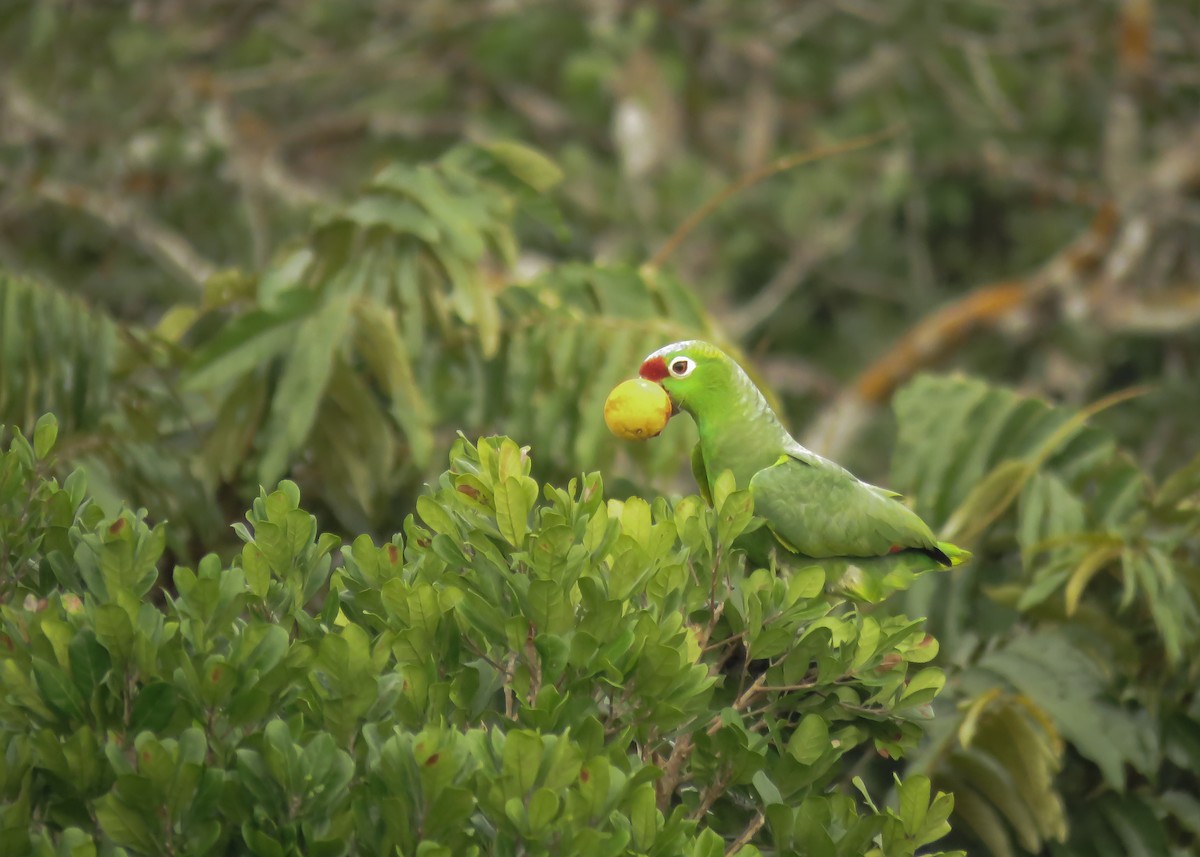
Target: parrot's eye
x: 681, y: 367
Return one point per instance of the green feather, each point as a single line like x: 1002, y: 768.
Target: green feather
x: 700, y: 474
x: 814, y: 507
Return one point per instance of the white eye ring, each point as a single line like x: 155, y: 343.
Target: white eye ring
x: 681, y: 367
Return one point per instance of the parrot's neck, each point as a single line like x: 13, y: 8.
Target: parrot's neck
x: 743, y: 435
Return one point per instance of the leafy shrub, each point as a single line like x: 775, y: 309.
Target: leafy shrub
x: 1075, y: 631
x: 525, y: 669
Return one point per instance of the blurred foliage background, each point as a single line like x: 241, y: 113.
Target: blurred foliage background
x: 243, y: 240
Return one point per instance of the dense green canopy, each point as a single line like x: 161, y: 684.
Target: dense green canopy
x: 957, y: 242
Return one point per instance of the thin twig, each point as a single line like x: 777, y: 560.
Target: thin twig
x: 711, y: 795
x: 162, y: 242
x: 807, y: 254
x: 742, y: 703
x: 941, y: 332
x: 752, y: 828
x: 755, y: 176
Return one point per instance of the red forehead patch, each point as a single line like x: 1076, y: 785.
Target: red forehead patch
x: 654, y: 369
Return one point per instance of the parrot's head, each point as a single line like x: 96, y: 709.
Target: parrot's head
x: 697, y: 375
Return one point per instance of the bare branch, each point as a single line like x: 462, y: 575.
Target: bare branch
x: 754, y: 177
x: 257, y: 165
x: 1167, y: 312
x: 807, y: 254
x: 160, y: 241
x: 118, y: 213
x: 1092, y: 277
x: 938, y: 334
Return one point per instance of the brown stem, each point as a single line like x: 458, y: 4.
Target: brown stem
x: 938, y: 334
x: 752, y: 828
x: 673, y: 772
x: 710, y: 796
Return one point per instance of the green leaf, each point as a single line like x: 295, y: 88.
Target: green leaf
x: 435, y: 517
x: 923, y: 687
x: 548, y: 606
x: 643, y: 816
x: 766, y: 789
x: 59, y: 692
x: 810, y: 741
x: 988, y: 500
x: 379, y: 342
x: 398, y: 215
x: 44, y: 435
x: 512, y: 510
x: 522, y: 758
x: 543, y: 807
x: 528, y: 165
x: 153, y: 707
x: 734, y: 515
x: 90, y: 661
x: 1070, y: 686
x: 302, y: 385
x: 249, y: 341
x: 806, y: 583
x: 126, y: 826
x: 914, y: 792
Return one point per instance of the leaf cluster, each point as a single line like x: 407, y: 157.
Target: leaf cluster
x: 1075, y: 673
x: 524, y: 669
x: 342, y: 363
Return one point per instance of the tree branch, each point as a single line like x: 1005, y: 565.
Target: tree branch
x: 754, y: 177
x: 672, y: 773
x: 746, y: 835
x: 160, y: 241
x: 807, y: 254
x: 1089, y: 278
x: 118, y: 213
x: 938, y: 334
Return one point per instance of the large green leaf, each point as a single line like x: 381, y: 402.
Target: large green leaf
x: 306, y: 372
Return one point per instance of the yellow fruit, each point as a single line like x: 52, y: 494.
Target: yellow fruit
x: 637, y: 409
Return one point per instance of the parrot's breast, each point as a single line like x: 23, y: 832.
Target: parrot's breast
x: 744, y: 440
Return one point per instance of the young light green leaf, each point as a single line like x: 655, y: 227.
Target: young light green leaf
x: 528, y: 165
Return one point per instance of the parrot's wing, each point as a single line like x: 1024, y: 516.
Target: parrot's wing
x: 819, y: 509
x: 700, y: 472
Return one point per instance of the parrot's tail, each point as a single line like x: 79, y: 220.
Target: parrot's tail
x: 943, y: 553
x: 937, y: 555
x: 951, y: 555
x: 872, y: 579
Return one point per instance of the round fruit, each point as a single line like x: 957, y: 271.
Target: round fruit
x: 637, y: 409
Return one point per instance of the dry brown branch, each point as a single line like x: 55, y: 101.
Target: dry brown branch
x: 1136, y: 23
x: 1092, y: 277
x: 794, y: 376
x: 1166, y: 312
x: 672, y: 768
x: 1043, y: 179
x: 254, y: 157
x: 990, y: 90
x: 25, y: 118
x: 938, y: 334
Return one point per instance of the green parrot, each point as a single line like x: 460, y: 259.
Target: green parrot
x: 813, y: 507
